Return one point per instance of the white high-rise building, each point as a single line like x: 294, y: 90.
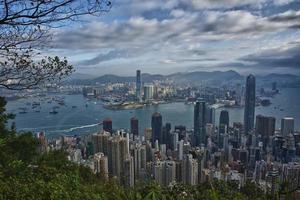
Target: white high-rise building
x: 287, y: 126
x: 148, y: 92
x: 101, y: 164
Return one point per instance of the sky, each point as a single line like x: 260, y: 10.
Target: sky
x: 170, y: 36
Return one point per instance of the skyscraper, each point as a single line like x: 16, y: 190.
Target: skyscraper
x: 156, y: 124
x: 107, y: 125
x: 287, y: 126
x: 265, y: 126
x: 249, y: 104
x: 134, y: 126
x: 148, y: 92
x: 199, y: 122
x: 223, y: 127
x: 138, y: 85
x: 224, y: 118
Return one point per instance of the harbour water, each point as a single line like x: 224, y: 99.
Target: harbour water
x: 80, y: 116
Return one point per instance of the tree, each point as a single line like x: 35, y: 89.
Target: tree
x: 25, y: 27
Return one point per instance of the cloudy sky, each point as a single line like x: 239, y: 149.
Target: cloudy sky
x: 168, y: 36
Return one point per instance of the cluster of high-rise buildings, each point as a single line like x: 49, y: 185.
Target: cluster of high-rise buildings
x: 251, y: 151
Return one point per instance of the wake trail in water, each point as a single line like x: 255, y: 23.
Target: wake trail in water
x: 79, y: 127
x: 62, y: 130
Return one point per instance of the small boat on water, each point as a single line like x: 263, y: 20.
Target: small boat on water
x: 53, y: 111
x: 74, y: 106
x: 34, y: 104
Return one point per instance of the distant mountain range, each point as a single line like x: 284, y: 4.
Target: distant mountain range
x: 215, y: 78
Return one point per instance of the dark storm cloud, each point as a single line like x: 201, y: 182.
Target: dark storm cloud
x: 287, y: 16
x: 286, y: 57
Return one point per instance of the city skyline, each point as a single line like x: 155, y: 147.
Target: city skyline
x: 156, y: 99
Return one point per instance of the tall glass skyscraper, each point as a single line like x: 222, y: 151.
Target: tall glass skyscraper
x: 223, y: 126
x: 134, y: 126
x: 138, y: 85
x: 199, y: 122
x: 156, y: 124
x: 249, y: 104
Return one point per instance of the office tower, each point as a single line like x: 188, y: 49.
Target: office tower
x: 287, y: 126
x: 238, y: 94
x: 148, y: 92
x: 209, y: 115
x: 189, y: 170
x: 249, y: 104
x: 223, y: 127
x: 138, y: 85
x: 173, y: 140
x: 224, y: 118
x: 199, y: 122
x: 156, y: 124
x: 107, y: 125
x: 213, y: 115
x: 166, y: 134
x: 101, y: 164
x: 129, y: 172
x: 265, y: 126
x: 134, y: 126
x: 180, y: 150
x: 243, y: 156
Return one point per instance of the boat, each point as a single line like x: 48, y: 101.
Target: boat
x: 34, y: 104
x: 74, y: 106
x: 53, y: 111
x: 265, y: 102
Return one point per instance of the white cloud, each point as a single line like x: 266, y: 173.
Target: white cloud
x: 185, y: 36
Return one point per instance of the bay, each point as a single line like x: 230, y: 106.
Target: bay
x: 85, y: 119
